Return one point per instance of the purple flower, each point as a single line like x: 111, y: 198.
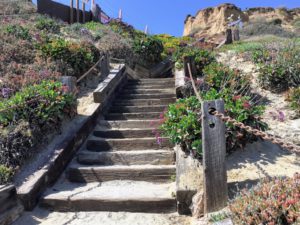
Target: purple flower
x: 281, y: 116
x: 6, y: 92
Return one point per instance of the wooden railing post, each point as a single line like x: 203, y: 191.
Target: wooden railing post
x: 214, y: 151
x: 189, y: 60
x: 71, y: 12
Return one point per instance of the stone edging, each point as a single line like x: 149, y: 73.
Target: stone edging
x: 31, y: 190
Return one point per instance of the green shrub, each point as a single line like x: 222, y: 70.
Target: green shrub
x: 18, y: 31
x: 29, y: 116
x: 148, y: 50
x: 219, y: 76
x: 80, y: 56
x: 171, y: 43
x: 282, y: 68
x: 275, y: 201
x: 48, y: 101
x: 47, y: 24
x: 5, y: 175
x: 202, y: 58
x: 182, y: 121
x: 125, y: 30
x: 294, y: 99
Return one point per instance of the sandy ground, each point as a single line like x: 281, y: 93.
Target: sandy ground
x: 282, y: 120
x: 44, y: 217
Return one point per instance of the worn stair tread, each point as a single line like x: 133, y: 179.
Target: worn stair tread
x: 137, y: 157
x: 146, y: 96
x: 132, y: 196
x: 144, y: 102
x: 129, y: 116
x: 123, y: 133
x: 98, y: 173
x: 128, y: 144
x: 138, y: 109
x: 127, y: 124
x: 148, y: 91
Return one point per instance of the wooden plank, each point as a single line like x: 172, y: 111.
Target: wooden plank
x: 77, y: 11
x: 83, y: 12
x: 214, y: 151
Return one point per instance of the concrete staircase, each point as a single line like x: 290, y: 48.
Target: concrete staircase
x: 121, y: 167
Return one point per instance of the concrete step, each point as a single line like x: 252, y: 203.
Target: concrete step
x: 148, y: 91
x: 152, y: 173
x: 127, y: 124
x: 144, y: 96
x: 126, y: 144
x: 144, y: 102
x: 133, y: 116
x: 150, y: 157
x: 113, y: 196
x: 124, y: 133
x: 137, y: 109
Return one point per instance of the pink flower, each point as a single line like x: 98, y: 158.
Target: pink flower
x: 246, y: 105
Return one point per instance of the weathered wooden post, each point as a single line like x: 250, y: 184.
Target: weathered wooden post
x: 228, y: 37
x: 214, y: 151
x: 70, y: 82
x: 77, y: 11
x: 236, y: 34
x: 191, y: 61
x: 71, y: 12
x: 83, y: 12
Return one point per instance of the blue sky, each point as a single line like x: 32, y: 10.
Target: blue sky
x: 167, y: 16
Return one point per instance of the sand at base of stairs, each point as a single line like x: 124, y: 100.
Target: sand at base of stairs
x: 44, y: 217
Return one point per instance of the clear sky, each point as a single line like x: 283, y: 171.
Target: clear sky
x: 167, y: 16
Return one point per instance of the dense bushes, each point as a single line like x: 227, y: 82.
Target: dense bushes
x: 181, y: 123
x: 279, y: 66
x: 79, y: 56
x: 182, y: 120
x: 148, y: 50
x: 202, y: 58
x: 48, y: 25
x: 171, y: 43
x: 275, y: 201
x: 28, y: 116
x: 18, y: 32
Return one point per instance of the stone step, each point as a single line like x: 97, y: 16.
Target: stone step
x: 144, y: 102
x: 124, y: 133
x: 152, y: 173
x: 133, y: 116
x: 137, y: 109
x: 126, y: 144
x: 150, y: 157
x: 113, y: 196
x: 153, y: 81
x: 145, y: 96
x: 147, y: 91
x: 127, y: 124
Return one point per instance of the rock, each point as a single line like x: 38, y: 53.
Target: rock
x: 213, y: 21
x: 197, y: 207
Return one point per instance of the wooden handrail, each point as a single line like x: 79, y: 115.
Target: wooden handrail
x: 90, y: 70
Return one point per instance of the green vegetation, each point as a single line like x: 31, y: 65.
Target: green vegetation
x: 294, y: 99
x: 46, y: 24
x: 148, y: 50
x: 182, y: 120
x: 18, y: 32
x: 202, y: 58
x: 79, y: 56
x: 28, y: 116
x: 5, y: 174
x: 275, y: 201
